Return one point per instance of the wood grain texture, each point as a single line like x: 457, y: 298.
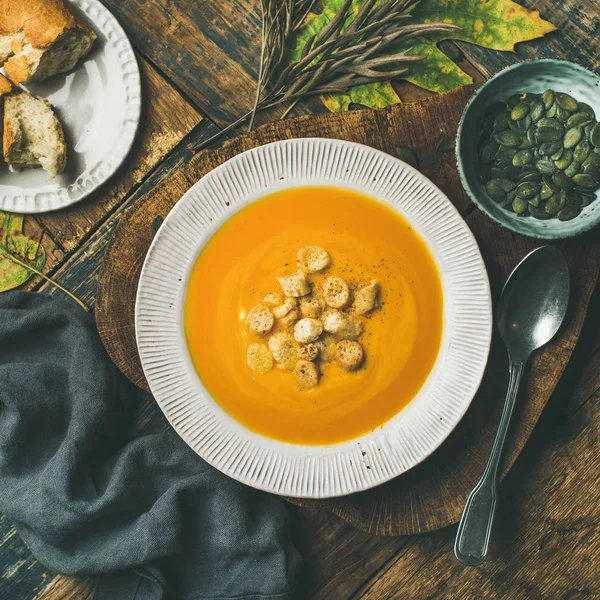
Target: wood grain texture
x: 431, y: 495
x: 209, y: 49
x: 166, y: 119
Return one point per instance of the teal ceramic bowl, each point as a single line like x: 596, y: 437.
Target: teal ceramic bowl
x: 535, y: 76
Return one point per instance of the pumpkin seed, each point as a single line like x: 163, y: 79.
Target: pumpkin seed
x: 546, y: 166
x: 554, y: 204
x: 582, y: 151
x: 512, y: 172
x: 593, y: 159
x: 548, y: 99
x: 586, y: 108
x: 501, y: 122
x: 569, y: 212
x: 585, y: 181
x: 524, y: 124
x: 565, y: 160
x: 558, y: 153
x: 547, y: 179
x: 507, y: 185
x: 587, y: 198
x: 514, y: 126
x: 595, y: 135
x: 546, y: 192
x: 519, y: 111
x: 540, y: 154
x: 528, y: 189
x: 548, y: 122
x: 528, y: 169
x: 534, y: 176
x: 592, y: 171
x: 513, y: 101
x: 537, y: 111
x: 539, y: 213
x: 572, y: 137
x: 508, y: 138
x: 489, y: 150
x: 573, y: 169
x: 501, y: 162
x: 520, y: 206
x: 548, y: 148
x: 567, y: 102
x: 523, y: 157
x: 573, y: 197
x: 548, y: 134
x: 562, y: 181
x: 510, y: 196
x: 495, y: 191
x: 528, y: 98
x: 579, y: 119
x: 562, y: 114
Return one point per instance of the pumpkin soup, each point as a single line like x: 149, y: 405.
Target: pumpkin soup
x: 293, y: 255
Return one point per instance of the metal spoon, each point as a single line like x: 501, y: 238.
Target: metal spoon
x: 532, y: 307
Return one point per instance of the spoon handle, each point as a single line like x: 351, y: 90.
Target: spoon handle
x: 475, y: 525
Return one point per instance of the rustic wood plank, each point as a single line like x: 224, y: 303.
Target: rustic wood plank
x: 545, y: 543
x: 68, y: 588
x: 166, y: 119
x: 209, y: 49
x: 338, y: 558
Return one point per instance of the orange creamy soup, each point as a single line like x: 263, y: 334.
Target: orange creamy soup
x: 366, y: 240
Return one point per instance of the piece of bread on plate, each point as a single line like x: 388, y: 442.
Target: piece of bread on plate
x: 39, y: 38
x: 33, y: 136
x: 5, y: 86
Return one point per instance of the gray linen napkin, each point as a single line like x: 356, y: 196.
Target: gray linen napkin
x: 87, y: 499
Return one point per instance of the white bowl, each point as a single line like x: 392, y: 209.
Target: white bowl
x: 371, y: 459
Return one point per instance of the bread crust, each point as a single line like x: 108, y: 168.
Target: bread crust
x: 38, y: 32
x: 5, y: 85
x: 40, y: 21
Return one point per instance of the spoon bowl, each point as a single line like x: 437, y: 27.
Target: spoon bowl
x: 533, y: 302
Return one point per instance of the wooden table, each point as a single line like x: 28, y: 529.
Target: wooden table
x: 198, y: 62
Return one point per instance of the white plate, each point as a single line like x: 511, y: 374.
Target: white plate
x: 313, y: 471
x: 98, y: 104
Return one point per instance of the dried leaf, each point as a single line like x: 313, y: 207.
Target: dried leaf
x: 14, y: 243
x: 496, y: 24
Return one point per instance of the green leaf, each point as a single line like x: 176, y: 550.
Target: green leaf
x: 495, y: 24
x: 14, y: 243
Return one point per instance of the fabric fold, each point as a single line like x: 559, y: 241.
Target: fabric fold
x: 88, y: 499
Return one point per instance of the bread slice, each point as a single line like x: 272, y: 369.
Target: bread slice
x: 39, y: 38
x: 33, y: 136
x: 5, y: 86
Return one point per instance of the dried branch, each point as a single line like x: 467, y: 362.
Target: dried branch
x: 345, y: 53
